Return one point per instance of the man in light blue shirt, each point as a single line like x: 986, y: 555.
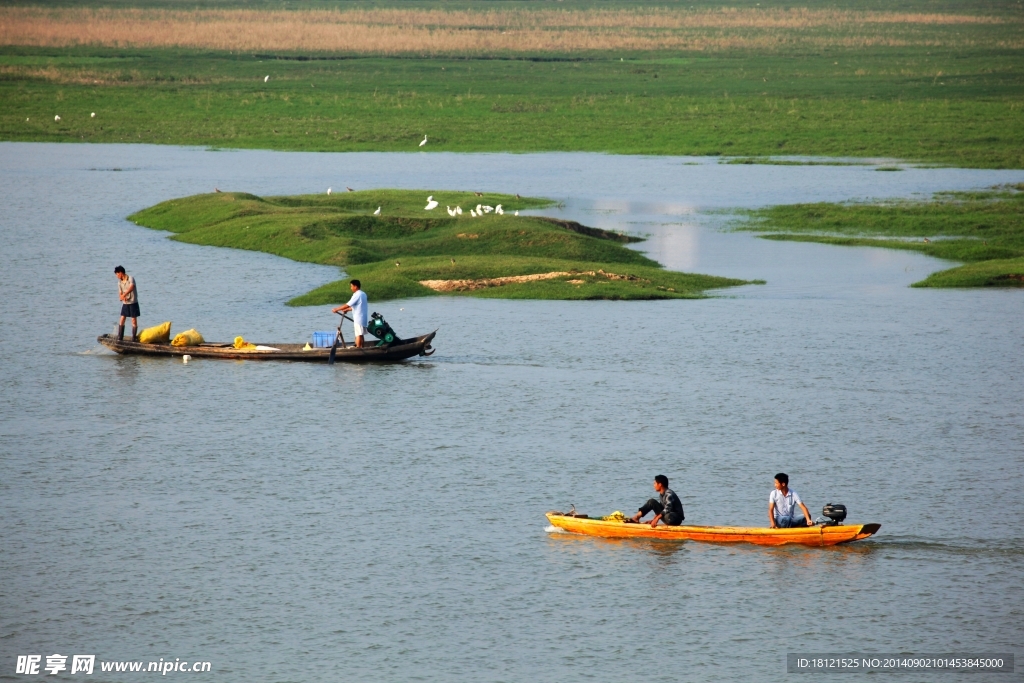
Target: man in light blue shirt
x: 357, y: 304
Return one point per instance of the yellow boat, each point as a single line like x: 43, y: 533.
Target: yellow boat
x: 819, y: 535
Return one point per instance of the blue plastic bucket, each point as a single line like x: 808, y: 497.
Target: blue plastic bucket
x: 323, y: 340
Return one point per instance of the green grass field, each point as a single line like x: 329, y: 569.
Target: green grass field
x: 744, y: 105
x: 395, y: 252
x: 945, y: 94
x: 984, y: 229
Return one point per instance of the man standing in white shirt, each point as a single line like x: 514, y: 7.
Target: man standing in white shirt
x: 357, y: 304
x: 782, y: 505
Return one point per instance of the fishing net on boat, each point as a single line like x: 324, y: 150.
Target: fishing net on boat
x: 616, y: 516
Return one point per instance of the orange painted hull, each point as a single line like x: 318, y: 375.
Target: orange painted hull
x: 812, y: 535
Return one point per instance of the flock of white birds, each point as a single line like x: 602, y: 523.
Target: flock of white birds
x: 432, y: 204
x: 480, y: 209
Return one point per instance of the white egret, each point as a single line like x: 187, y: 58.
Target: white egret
x: 431, y: 204
x: 517, y: 213
x: 458, y: 210
x: 328, y: 190
x: 498, y: 210
x: 479, y: 210
x: 57, y: 117
x: 377, y: 212
x: 450, y: 210
x: 424, y: 141
x: 266, y: 78
x: 488, y: 209
x: 92, y: 115
x: 472, y: 212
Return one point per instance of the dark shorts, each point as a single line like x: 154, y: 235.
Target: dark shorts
x: 130, y: 310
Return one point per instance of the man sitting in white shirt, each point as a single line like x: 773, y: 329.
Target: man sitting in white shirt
x: 782, y: 505
x: 357, y: 304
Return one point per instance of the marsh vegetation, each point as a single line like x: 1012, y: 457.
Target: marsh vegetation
x: 936, y: 82
x: 394, y: 30
x: 406, y: 251
x: 985, y: 229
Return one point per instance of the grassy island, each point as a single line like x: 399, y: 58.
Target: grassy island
x: 408, y: 251
x: 985, y: 229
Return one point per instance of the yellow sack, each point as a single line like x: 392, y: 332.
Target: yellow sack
x: 243, y: 345
x: 161, y: 334
x: 616, y: 516
x: 187, y: 338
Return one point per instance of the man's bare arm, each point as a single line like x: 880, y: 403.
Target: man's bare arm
x: 807, y: 515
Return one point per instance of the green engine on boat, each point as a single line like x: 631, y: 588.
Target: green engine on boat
x: 380, y: 329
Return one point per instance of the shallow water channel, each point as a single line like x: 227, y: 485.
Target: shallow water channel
x: 293, y: 522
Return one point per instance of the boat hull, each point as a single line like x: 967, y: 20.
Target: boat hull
x: 817, y: 536
x: 418, y: 346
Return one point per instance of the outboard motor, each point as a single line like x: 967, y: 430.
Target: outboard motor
x: 835, y: 513
x: 380, y: 329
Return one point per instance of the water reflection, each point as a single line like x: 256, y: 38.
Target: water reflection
x: 652, y: 547
x: 779, y: 560
x: 678, y: 246
x: 127, y: 368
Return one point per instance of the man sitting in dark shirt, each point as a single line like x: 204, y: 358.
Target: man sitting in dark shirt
x: 668, y: 509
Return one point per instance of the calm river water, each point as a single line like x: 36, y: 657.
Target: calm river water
x: 314, y: 523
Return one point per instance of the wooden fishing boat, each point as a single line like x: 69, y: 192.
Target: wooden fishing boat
x: 406, y: 348
x: 820, y: 535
